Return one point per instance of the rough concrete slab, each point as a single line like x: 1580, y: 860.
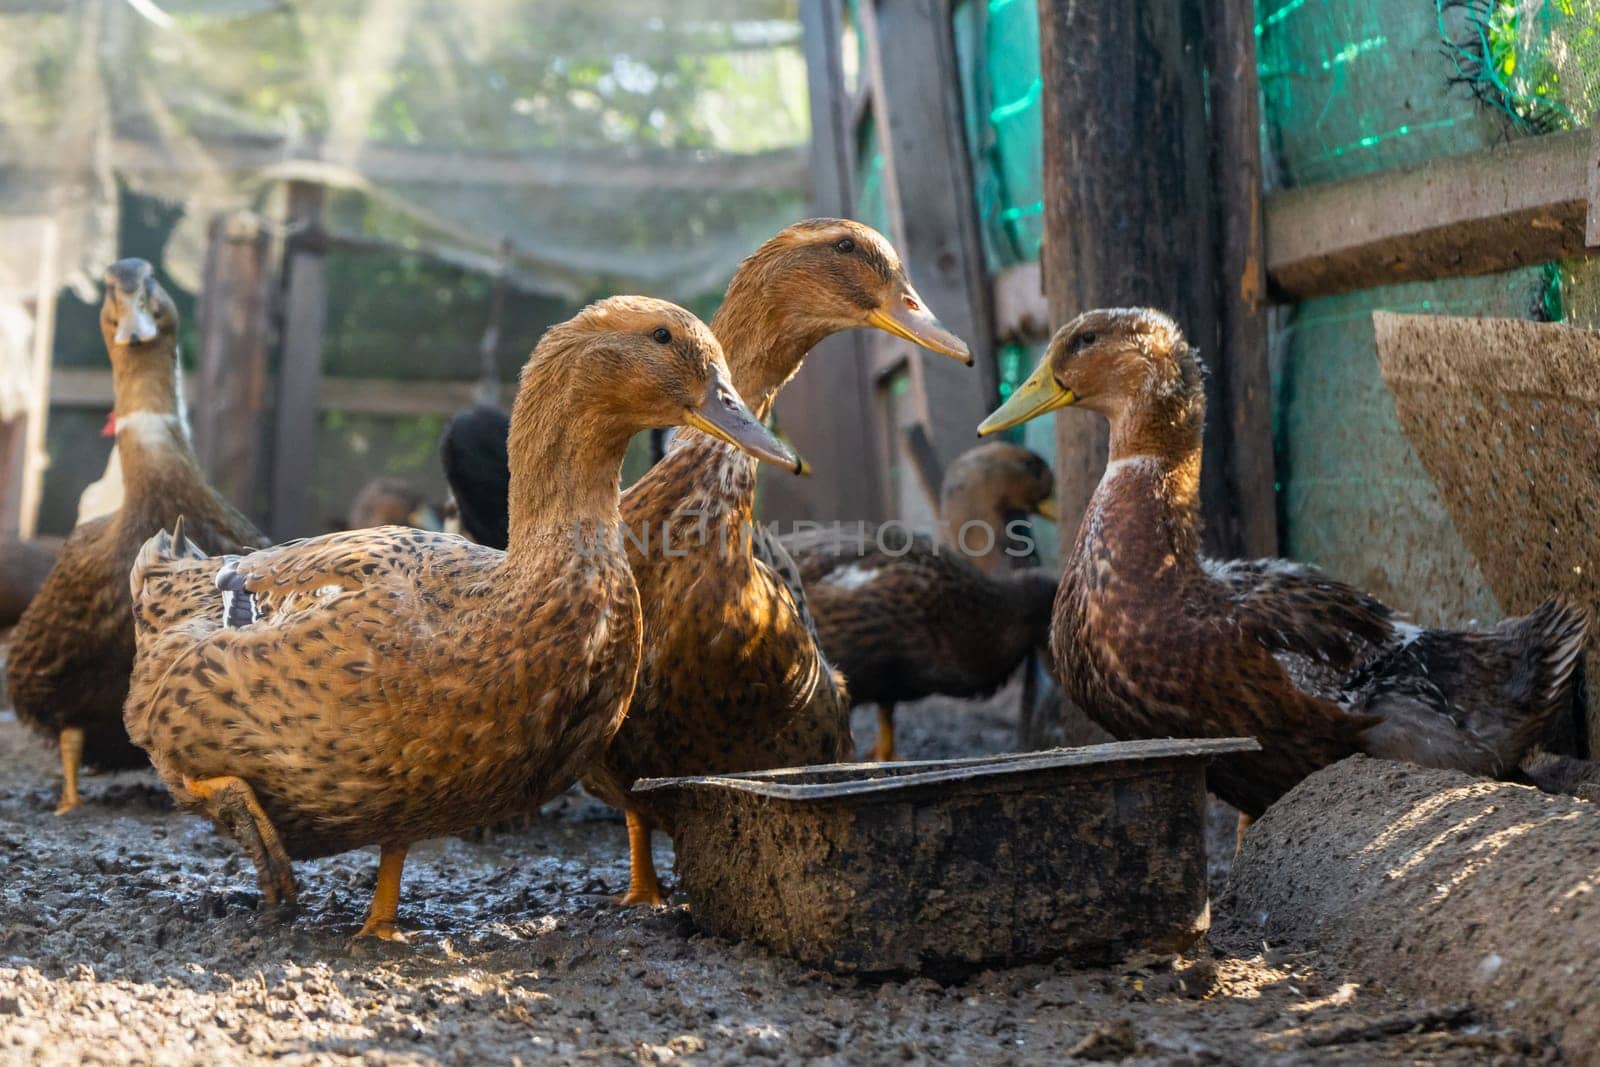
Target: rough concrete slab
x: 1505, y: 416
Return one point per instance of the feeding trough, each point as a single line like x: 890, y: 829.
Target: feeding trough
x: 945, y: 865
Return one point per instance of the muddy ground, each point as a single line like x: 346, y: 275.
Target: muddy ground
x: 129, y: 933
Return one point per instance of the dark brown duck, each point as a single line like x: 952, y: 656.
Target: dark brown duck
x: 73, y: 648
x: 907, y: 617
x: 1152, y: 640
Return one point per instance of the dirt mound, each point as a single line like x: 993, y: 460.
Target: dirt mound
x: 1442, y: 885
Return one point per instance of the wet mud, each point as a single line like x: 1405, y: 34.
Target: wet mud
x: 130, y: 933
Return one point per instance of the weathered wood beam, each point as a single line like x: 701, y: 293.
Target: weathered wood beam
x: 916, y: 94
x: 1243, y: 509
x: 305, y: 311
x: 696, y: 171
x: 235, y: 343
x: 1513, y: 205
x: 80, y: 388
x: 827, y: 410
x: 1127, y: 191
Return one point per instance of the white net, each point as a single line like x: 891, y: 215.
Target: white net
x: 573, y: 143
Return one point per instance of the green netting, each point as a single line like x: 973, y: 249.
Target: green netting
x: 1536, y: 62
x: 872, y: 205
x: 1357, y: 86
x: 997, y: 47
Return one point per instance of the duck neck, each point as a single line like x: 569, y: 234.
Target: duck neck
x: 566, y: 463
x: 152, y: 426
x: 765, y: 343
x: 970, y: 501
x: 1161, y: 435
x: 763, y: 337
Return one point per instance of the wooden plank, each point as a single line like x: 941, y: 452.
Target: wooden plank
x: 75, y: 387
x: 693, y: 170
x: 34, y: 457
x: 918, y: 449
x: 1513, y: 205
x: 1243, y: 514
x: 826, y: 410
x: 1592, y: 232
x: 300, y: 371
x: 13, y: 442
x: 1021, y: 312
x: 235, y: 328
x: 916, y: 86
x: 1123, y: 226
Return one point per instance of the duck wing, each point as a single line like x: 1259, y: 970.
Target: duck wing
x: 1318, y: 628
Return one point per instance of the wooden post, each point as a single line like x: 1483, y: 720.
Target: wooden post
x: 300, y: 372
x: 916, y: 93
x: 229, y: 424
x: 488, y: 390
x: 34, y: 457
x: 13, y: 438
x: 826, y: 410
x: 1128, y: 193
x: 1244, y: 518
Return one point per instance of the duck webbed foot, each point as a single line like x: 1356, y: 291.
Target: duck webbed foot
x: 643, y: 885
x: 232, y: 804
x: 385, y: 898
x: 71, y: 742
x: 883, y: 748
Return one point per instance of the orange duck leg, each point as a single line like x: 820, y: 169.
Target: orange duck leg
x: 643, y: 885
x: 232, y: 804
x: 71, y: 742
x: 883, y: 748
x: 386, y: 897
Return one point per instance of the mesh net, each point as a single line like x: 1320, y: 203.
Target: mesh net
x: 572, y: 148
x: 1359, y: 86
x: 564, y: 144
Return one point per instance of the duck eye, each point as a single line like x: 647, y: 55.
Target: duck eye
x: 845, y: 245
x: 1082, y: 341
x: 662, y: 335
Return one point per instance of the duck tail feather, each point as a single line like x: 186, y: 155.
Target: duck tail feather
x: 1551, y: 637
x: 158, y: 550
x: 1558, y: 629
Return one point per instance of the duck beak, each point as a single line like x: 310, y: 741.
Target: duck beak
x: 1039, y: 394
x: 724, y: 416
x: 907, y: 317
x: 135, y: 324
x: 1047, y: 509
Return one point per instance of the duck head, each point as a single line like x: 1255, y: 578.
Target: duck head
x: 813, y: 279
x: 139, y: 323
x: 1131, y: 365
x: 997, y: 480
x: 650, y: 364
x: 137, y: 311
x: 838, y: 274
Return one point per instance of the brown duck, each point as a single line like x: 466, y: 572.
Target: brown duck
x: 732, y: 678
x: 906, y: 617
x: 1152, y: 640
x: 24, y: 565
x: 386, y: 685
x: 73, y: 648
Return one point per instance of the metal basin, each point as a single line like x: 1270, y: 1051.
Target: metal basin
x: 942, y: 866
